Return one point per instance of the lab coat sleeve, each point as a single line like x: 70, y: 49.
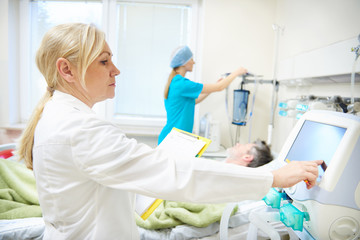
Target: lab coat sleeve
x: 102, y: 152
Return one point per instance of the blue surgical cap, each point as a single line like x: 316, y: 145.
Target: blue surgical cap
x: 181, y: 56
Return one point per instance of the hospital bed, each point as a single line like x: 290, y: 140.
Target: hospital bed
x: 238, y: 223
x: 33, y: 228
x: 330, y: 210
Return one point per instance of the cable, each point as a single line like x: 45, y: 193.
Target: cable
x: 252, y: 108
x: 228, y: 115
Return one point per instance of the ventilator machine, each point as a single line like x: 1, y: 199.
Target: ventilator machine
x: 331, y: 209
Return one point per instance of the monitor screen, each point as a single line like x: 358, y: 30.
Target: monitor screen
x: 314, y: 141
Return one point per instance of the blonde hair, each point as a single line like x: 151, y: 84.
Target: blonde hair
x: 167, y: 86
x: 80, y: 44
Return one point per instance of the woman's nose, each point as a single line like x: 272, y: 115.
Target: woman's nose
x: 115, y: 72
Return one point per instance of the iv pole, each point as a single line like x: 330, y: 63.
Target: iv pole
x: 274, y: 82
x: 277, y: 30
x: 245, y: 80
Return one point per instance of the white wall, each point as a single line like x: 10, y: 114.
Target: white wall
x: 310, y: 26
x: 238, y: 33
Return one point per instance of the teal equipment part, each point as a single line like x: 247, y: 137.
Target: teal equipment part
x: 283, y: 113
x: 302, y: 107
x: 293, y: 217
x: 283, y: 105
x: 273, y: 198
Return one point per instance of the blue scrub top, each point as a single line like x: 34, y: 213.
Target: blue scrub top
x: 180, y: 105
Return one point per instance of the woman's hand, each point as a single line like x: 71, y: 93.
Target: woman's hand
x: 223, y: 83
x: 296, y: 171
x: 240, y: 71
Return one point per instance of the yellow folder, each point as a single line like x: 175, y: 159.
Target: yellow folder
x: 177, y: 141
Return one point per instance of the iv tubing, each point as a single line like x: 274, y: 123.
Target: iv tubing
x: 353, y: 80
x: 227, y: 113
x: 252, y: 109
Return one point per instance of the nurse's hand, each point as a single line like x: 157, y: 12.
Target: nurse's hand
x: 240, y: 71
x: 295, y: 172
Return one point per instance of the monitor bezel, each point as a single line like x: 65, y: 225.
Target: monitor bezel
x: 342, y: 154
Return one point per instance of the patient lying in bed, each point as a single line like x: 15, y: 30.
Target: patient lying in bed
x: 170, y: 214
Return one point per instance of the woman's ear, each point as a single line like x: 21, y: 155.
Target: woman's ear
x: 65, y: 70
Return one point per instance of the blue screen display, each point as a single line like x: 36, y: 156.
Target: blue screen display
x: 316, y: 141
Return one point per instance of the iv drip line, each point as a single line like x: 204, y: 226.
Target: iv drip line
x: 252, y: 108
x: 228, y: 115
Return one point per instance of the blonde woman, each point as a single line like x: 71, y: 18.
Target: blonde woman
x: 87, y: 171
x: 181, y: 94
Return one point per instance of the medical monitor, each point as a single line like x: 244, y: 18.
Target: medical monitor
x: 333, y: 204
x: 316, y: 140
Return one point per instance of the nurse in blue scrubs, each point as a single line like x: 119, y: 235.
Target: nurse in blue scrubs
x: 181, y: 94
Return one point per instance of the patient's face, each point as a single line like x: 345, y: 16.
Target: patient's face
x: 239, y: 151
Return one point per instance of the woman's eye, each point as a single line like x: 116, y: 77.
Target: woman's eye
x: 104, y: 62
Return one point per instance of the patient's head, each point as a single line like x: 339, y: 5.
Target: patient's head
x: 250, y: 155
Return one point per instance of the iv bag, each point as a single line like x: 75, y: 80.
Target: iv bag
x: 240, y: 106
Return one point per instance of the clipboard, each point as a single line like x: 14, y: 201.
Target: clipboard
x: 178, y: 142
x: 184, y: 143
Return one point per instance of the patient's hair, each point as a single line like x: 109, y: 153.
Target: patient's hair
x: 262, y: 154
x: 80, y: 44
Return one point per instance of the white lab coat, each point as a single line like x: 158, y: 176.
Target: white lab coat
x: 87, y: 172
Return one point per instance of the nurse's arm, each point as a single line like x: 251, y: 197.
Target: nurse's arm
x: 221, y: 85
x: 201, y: 97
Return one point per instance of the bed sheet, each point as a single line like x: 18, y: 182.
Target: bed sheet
x: 24, y: 228
x: 33, y: 228
x: 238, y: 227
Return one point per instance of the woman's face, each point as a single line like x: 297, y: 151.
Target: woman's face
x: 100, y: 77
x: 189, y: 65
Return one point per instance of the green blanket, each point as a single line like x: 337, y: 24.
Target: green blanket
x: 170, y: 214
x: 18, y: 195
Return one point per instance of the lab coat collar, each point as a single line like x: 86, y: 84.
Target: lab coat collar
x: 70, y: 99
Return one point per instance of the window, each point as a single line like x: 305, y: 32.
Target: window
x: 43, y: 16
x: 142, y: 36
x: 144, y: 45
